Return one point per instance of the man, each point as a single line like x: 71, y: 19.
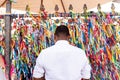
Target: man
x: 62, y: 61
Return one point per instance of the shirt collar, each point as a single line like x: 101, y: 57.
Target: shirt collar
x: 62, y: 42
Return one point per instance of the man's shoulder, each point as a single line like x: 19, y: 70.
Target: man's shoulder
x: 2, y: 75
x: 49, y: 49
x: 77, y: 49
x: 45, y: 52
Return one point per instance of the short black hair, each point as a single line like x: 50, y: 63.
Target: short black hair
x: 62, y: 29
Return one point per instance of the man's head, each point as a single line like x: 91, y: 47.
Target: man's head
x: 61, y: 33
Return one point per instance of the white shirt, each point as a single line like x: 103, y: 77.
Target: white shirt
x: 2, y: 75
x: 62, y: 62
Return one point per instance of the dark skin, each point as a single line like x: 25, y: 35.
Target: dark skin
x: 56, y: 38
x: 43, y: 78
x: 85, y: 79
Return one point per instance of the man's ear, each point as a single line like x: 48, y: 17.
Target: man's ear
x: 55, y: 38
x: 68, y: 37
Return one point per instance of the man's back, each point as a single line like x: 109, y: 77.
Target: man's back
x: 64, y: 62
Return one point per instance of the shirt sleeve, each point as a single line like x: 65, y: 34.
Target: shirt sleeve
x: 2, y: 75
x: 86, y: 70
x: 39, y: 67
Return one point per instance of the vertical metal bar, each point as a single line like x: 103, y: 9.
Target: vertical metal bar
x: 41, y: 5
x: 41, y: 2
x: 3, y: 3
x: 63, y: 6
x: 8, y: 38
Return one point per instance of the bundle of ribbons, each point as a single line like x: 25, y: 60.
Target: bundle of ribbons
x: 98, y: 36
